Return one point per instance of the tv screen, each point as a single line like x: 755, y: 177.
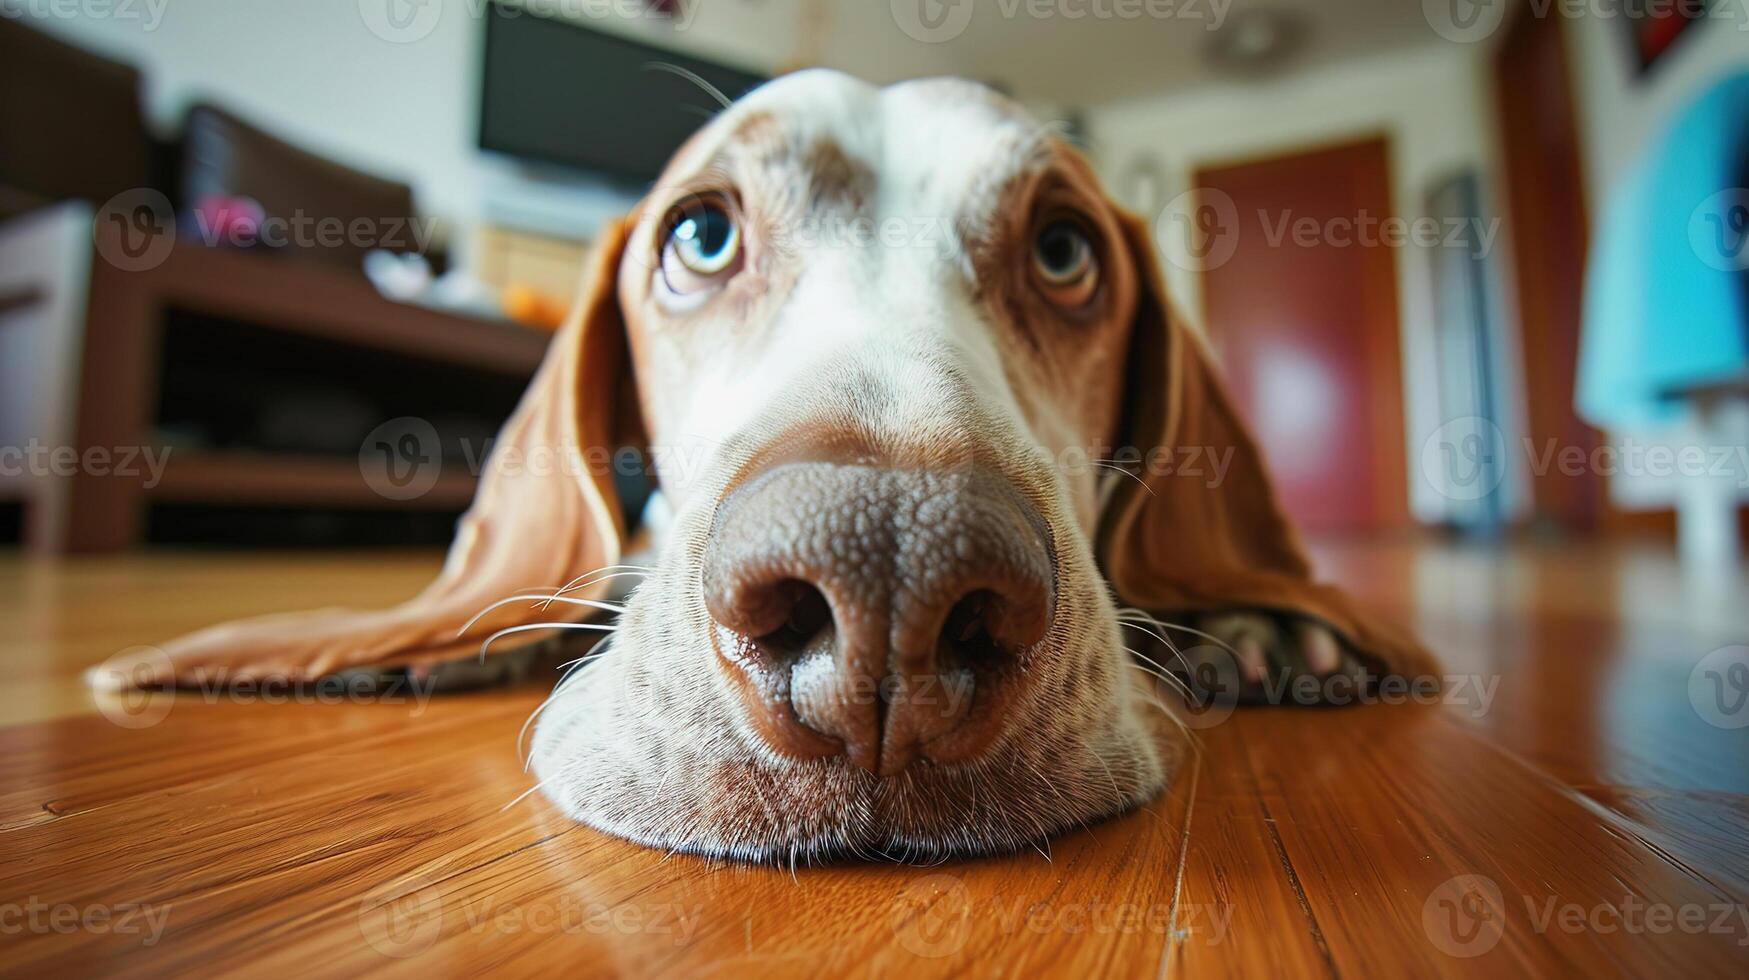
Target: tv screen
x: 557, y: 91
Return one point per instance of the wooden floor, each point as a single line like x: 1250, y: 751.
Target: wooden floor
x: 1577, y: 806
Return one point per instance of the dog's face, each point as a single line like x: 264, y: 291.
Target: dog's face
x: 876, y: 334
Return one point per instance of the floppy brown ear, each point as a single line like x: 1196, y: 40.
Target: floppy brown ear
x: 545, y: 513
x: 1172, y: 543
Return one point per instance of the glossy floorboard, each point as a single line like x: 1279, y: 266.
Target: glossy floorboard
x: 1572, y: 806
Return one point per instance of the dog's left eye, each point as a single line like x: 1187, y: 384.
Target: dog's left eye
x: 702, y: 248
x: 1063, y: 260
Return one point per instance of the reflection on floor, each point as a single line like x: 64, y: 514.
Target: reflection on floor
x: 1576, y: 803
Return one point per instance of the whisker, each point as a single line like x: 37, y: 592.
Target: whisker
x: 704, y: 86
x: 1067, y: 809
x: 544, y: 600
x: 564, y: 686
x: 1155, y: 702
x: 1118, y: 469
x: 1217, y: 641
x: 591, y: 575
x: 1157, y: 705
x: 596, y: 577
x: 591, y: 578
x: 1175, y: 683
x: 525, y: 794
x: 1177, y: 654
x: 506, y: 631
x: 1117, y: 797
x: 545, y: 597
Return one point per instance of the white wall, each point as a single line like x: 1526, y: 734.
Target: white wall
x: 314, y: 73
x: 1429, y: 102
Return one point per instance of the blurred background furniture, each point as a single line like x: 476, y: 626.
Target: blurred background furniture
x: 70, y: 123
x: 258, y: 365
x: 1666, y: 342
x: 1709, y: 533
x: 45, y: 260
x: 199, y: 355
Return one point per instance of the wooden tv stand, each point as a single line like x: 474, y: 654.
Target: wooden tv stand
x: 117, y: 369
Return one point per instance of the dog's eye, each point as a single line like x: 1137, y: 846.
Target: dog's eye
x: 702, y: 248
x: 1063, y: 261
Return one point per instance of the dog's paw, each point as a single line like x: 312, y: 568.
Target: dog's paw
x: 1271, y: 659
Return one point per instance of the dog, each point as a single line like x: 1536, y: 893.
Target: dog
x: 903, y: 370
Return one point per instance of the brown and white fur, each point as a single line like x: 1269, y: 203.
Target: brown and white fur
x: 930, y: 347
x: 939, y: 400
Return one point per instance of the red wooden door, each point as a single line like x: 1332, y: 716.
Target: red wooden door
x: 1304, y: 315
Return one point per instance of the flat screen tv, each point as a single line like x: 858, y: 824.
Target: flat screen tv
x: 560, y: 92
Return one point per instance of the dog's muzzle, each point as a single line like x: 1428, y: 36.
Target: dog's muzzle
x: 883, y: 614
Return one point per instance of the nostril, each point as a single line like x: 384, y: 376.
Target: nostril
x: 806, y: 616
x: 969, y: 636
x: 882, y: 614
x: 753, y: 605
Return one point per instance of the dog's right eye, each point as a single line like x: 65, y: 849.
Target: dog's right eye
x: 1064, y: 263
x: 702, y: 248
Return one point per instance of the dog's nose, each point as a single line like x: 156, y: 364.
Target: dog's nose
x: 881, y: 613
